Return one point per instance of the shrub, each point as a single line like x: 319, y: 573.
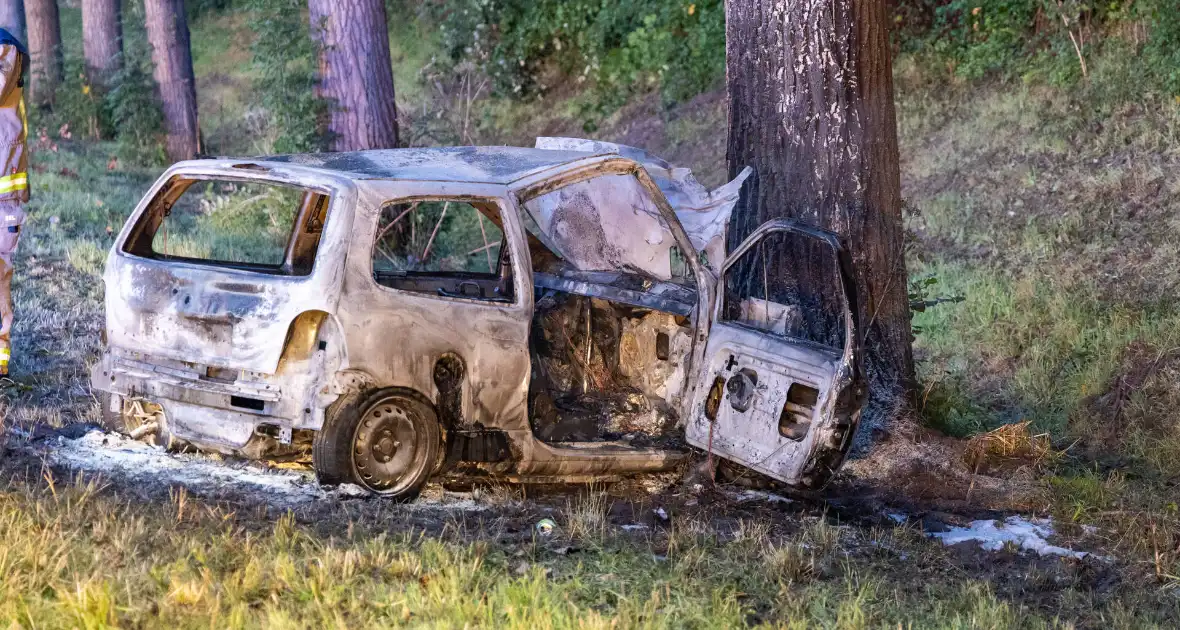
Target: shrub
x: 78, y: 105
x: 618, y: 47
x: 135, y: 112
x: 1162, y: 50
x: 285, y: 59
x: 1044, y: 39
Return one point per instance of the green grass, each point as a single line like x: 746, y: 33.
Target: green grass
x: 1050, y: 212
x: 76, y: 554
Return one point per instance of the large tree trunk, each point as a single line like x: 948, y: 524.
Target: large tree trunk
x: 12, y: 17
x: 167, y: 31
x: 102, y: 39
x: 45, y: 72
x: 356, y: 73
x: 811, y: 108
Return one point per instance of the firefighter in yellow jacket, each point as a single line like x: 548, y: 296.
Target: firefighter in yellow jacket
x: 14, y: 176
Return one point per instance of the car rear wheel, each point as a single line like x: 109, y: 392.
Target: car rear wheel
x: 388, y: 441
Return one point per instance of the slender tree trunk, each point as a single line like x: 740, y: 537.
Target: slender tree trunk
x: 811, y: 108
x: 12, y: 17
x: 102, y: 39
x: 356, y: 73
x: 167, y: 31
x: 45, y: 72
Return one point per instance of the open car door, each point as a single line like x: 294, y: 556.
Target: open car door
x: 781, y: 387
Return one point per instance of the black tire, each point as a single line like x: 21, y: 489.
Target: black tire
x: 388, y: 441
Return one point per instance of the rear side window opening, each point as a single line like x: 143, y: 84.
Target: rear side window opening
x: 241, y: 224
x: 445, y: 247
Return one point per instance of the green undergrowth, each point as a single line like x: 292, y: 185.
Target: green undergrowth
x: 1056, y: 344
x: 1051, y: 212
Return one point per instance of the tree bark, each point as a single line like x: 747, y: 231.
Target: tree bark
x: 12, y: 17
x: 356, y: 73
x: 167, y: 30
x: 811, y: 109
x: 45, y: 72
x: 102, y: 39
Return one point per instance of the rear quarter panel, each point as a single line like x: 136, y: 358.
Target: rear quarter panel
x: 220, y: 316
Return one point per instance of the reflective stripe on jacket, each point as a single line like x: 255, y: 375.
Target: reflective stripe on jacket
x: 14, y: 164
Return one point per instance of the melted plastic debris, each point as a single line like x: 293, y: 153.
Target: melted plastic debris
x: 1027, y: 534
x: 350, y: 491
x: 758, y: 495
x: 119, y: 456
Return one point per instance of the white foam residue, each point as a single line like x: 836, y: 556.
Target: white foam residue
x: 111, y: 453
x: 897, y: 517
x: 1027, y: 534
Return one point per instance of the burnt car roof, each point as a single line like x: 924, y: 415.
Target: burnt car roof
x: 483, y: 165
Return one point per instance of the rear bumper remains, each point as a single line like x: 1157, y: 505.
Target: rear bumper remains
x: 210, y: 407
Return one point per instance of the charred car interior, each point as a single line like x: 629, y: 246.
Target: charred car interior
x: 562, y: 313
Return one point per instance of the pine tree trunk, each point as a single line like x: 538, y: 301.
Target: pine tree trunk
x: 102, y: 39
x: 12, y: 17
x: 45, y: 72
x: 811, y: 109
x: 167, y: 31
x: 356, y: 73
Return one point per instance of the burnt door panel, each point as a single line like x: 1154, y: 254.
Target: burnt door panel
x: 437, y: 299
x: 780, y: 386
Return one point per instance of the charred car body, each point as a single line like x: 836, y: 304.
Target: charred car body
x: 539, y: 314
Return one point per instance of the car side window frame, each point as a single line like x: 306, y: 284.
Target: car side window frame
x: 505, y: 208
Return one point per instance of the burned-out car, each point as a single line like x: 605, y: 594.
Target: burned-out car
x: 561, y: 313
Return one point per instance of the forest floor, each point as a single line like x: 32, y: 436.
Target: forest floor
x: 1047, y: 405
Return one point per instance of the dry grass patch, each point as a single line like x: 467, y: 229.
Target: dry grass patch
x: 1009, y: 446
x: 587, y: 515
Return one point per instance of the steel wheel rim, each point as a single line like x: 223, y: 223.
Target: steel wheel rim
x: 386, y: 446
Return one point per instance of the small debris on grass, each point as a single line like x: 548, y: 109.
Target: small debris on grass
x: 350, y: 491
x: 546, y: 526
x: 758, y: 495
x: 661, y: 514
x: 992, y: 535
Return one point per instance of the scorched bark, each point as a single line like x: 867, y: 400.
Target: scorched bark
x: 811, y: 109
